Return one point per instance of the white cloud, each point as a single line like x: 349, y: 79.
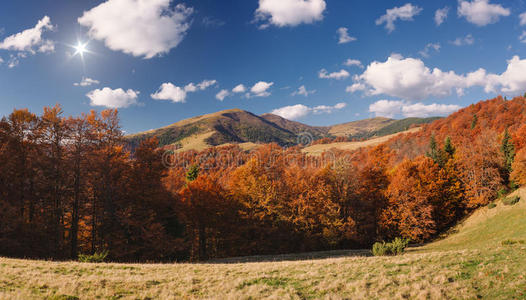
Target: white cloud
x: 168, y: 91
x: 355, y: 87
x: 292, y: 112
x: 344, y: 37
x: 441, y: 15
x: 1, y: 60
x: 298, y: 111
x: 523, y: 18
x: 462, y: 41
x: 143, y: 28
x: 522, y: 37
x: 113, y: 98
x: 30, y: 40
x: 289, y: 12
x: 176, y: 94
x: 342, y: 74
x: 222, y: 95
x: 302, y: 90
x: 240, y: 88
x: 481, y: 12
x: 428, y: 48
x: 410, y: 79
x: 86, y: 81
x: 512, y: 81
x: 404, y: 13
x: 260, y: 89
x: 206, y: 84
x: 353, y: 62
x: 392, y: 108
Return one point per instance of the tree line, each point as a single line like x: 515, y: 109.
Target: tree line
x: 71, y: 185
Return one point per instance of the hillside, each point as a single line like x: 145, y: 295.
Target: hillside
x: 296, y: 127
x: 360, y: 127
x: 470, y: 263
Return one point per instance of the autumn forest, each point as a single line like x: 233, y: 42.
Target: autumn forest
x: 73, y: 185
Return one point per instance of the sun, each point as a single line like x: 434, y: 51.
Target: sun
x: 81, y: 49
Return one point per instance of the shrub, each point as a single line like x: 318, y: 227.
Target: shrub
x: 97, y: 257
x: 501, y: 193
x: 512, y: 242
x: 395, y: 247
x: 492, y: 205
x: 379, y: 249
x: 511, y: 200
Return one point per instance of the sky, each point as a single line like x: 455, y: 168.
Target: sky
x: 320, y: 62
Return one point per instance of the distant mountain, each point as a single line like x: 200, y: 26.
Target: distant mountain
x: 237, y: 126
x: 361, y: 127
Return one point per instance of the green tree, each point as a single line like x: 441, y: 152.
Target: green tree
x: 474, y: 121
x: 192, y: 173
x: 508, y: 151
x: 449, y: 149
x: 435, y: 153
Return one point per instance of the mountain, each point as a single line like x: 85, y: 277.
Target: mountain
x: 237, y: 126
x: 224, y: 127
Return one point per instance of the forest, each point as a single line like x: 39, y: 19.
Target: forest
x: 72, y: 185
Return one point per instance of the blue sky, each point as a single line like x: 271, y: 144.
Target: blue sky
x: 160, y: 61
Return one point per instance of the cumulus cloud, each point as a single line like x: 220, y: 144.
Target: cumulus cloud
x: 343, y: 36
x: 142, y: 28
x: 282, y: 13
x: 404, y: 13
x: 260, y: 89
x: 222, y: 95
x: 342, y: 74
x: 441, y: 15
x: 302, y: 91
x: 117, y: 98
x: 240, y: 88
x: 298, y: 111
x: 463, y: 41
x: 522, y: 37
x: 410, y: 79
x: 86, y: 81
x: 176, y: 94
x: 392, y: 108
x: 428, y: 48
x: 481, y: 12
x: 30, y: 40
x: 522, y: 18
x: 169, y: 91
x: 353, y: 62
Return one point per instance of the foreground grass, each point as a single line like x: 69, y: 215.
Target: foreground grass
x: 471, y: 263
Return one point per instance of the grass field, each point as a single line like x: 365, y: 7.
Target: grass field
x: 472, y: 262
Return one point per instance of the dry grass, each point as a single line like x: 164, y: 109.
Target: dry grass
x: 319, y: 149
x: 471, y: 263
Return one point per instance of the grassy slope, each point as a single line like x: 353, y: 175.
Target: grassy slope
x: 471, y: 263
x: 320, y: 148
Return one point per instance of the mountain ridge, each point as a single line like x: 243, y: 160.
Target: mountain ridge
x: 237, y: 126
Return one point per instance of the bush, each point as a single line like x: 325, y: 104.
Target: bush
x: 395, y: 247
x: 492, y: 205
x: 511, y: 200
x: 512, y: 242
x: 501, y: 193
x: 97, y: 257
